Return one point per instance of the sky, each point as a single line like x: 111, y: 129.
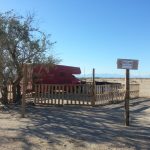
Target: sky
x: 93, y: 33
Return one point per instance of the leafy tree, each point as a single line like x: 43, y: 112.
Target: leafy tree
x: 21, y: 42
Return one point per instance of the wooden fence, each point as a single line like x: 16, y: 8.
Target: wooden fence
x: 63, y: 94
x: 105, y: 94
x: 83, y: 94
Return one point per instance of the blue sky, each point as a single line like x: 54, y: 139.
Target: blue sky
x: 93, y: 33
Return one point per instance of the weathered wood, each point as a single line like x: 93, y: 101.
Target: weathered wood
x: 93, y: 86
x: 63, y: 93
x: 80, y: 94
x: 48, y: 94
x: 45, y: 93
x: 24, y: 91
x: 127, y: 97
x: 75, y: 93
x: 35, y: 98
x: 51, y: 94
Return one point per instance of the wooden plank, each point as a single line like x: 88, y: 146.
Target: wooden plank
x: 79, y: 93
x: 35, y: 98
x: 55, y: 94
x: 39, y: 95
x: 93, y: 99
x: 75, y: 93
x: 67, y: 93
x: 63, y: 92
x: 48, y: 94
x: 85, y: 95
x: 52, y: 94
x: 59, y: 90
x: 24, y: 91
x: 45, y: 93
x: 71, y: 91
x: 42, y: 95
x: 127, y: 97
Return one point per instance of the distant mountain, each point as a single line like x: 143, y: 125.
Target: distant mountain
x: 111, y: 76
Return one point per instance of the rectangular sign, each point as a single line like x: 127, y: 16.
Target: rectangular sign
x: 127, y: 64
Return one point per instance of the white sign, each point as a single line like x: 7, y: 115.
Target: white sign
x: 127, y: 64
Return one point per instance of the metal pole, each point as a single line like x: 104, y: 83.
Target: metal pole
x: 127, y: 97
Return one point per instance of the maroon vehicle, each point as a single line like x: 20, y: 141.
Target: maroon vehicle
x: 56, y: 74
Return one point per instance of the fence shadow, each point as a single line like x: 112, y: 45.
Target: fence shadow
x: 80, y: 125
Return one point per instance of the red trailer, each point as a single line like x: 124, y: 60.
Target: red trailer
x: 56, y: 74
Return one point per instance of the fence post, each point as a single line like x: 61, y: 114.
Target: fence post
x: 93, y: 89
x: 111, y: 90
x: 24, y: 91
x: 138, y: 90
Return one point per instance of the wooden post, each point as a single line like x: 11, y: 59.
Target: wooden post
x: 127, y: 64
x: 127, y: 97
x: 24, y: 91
x: 93, y: 89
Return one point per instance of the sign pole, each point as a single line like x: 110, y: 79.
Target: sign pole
x: 127, y: 97
x: 127, y: 64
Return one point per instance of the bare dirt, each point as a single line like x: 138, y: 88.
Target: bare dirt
x: 76, y: 128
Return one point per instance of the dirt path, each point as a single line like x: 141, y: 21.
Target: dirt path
x: 76, y: 128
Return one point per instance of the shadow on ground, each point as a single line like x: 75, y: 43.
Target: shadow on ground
x: 81, y: 125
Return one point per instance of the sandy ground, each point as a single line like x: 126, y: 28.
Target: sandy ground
x: 76, y: 128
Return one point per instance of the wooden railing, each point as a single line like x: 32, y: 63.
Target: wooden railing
x: 134, y: 90
x: 114, y: 93
x: 63, y: 94
x: 82, y: 94
x: 109, y: 93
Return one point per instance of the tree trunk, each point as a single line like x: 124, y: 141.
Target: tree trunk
x: 4, y: 94
x: 16, y: 87
x: 14, y: 92
x: 18, y: 96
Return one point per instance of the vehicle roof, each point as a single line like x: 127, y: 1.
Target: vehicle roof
x: 57, y: 68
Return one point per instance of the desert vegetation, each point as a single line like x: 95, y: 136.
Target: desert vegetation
x: 20, y: 42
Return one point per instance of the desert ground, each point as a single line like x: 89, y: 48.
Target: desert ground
x: 76, y: 127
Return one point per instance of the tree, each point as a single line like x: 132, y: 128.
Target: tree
x: 21, y: 42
